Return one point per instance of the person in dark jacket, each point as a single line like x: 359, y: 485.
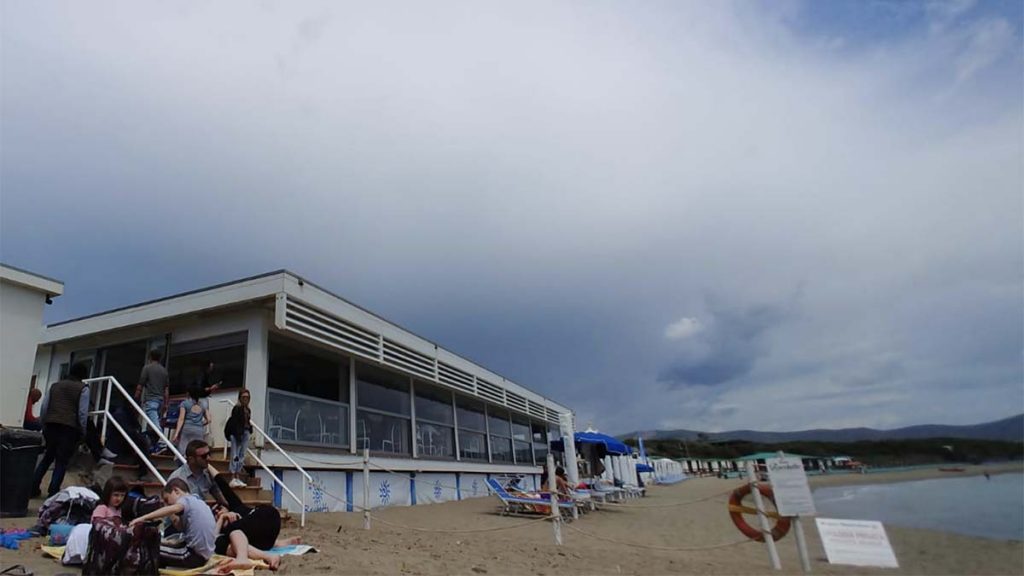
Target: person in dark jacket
x: 237, y: 431
x: 63, y: 414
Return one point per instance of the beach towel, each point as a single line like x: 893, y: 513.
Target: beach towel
x: 218, y: 564
x: 211, y: 567
x: 293, y: 550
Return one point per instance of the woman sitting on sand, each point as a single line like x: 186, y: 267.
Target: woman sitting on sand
x: 242, y: 529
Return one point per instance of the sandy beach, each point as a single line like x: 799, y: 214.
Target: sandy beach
x: 678, y: 529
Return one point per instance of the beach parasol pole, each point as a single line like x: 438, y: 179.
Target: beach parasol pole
x: 366, y: 488
x: 769, y: 541
x: 556, y: 514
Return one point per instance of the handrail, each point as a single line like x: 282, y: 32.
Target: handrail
x: 273, y: 476
x: 145, y: 460
x: 131, y: 402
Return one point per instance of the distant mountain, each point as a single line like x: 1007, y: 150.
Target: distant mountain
x: 1009, y: 429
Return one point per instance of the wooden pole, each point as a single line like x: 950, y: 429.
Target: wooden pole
x: 556, y: 514
x: 366, y: 489
x: 766, y: 530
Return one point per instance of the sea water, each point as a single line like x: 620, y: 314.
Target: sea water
x: 970, y: 505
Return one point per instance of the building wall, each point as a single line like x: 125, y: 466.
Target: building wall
x: 342, y: 490
x: 21, y: 316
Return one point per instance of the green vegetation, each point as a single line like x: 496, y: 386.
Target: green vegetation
x: 882, y: 453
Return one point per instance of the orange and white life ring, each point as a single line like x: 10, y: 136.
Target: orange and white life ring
x: 737, y: 510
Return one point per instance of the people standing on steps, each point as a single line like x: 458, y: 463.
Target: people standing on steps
x: 153, y: 391
x: 237, y: 430
x: 63, y: 414
x: 193, y: 417
x: 208, y: 381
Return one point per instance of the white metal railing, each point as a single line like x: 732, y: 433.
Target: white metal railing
x: 307, y: 479
x: 111, y: 385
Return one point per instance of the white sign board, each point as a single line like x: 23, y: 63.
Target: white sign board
x: 789, y: 482
x: 856, y: 542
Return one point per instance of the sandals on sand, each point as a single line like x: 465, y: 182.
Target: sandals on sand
x: 16, y: 570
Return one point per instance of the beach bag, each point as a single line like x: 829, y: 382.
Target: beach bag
x: 143, y: 554
x: 72, y: 505
x: 117, y: 549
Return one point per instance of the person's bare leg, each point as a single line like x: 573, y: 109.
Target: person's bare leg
x: 288, y: 541
x: 272, y: 560
x: 239, y: 547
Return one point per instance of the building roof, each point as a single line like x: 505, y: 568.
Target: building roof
x: 310, y: 311
x: 43, y: 284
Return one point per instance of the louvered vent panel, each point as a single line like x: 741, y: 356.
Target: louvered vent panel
x: 314, y: 324
x: 405, y: 359
x: 490, y: 391
x: 454, y: 377
x: 536, y: 410
x: 552, y: 416
x: 515, y: 401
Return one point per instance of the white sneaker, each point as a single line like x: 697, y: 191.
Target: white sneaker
x: 236, y: 483
x: 108, y: 455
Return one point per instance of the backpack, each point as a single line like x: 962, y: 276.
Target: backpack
x: 135, y: 506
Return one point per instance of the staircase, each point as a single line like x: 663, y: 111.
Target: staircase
x: 251, y: 495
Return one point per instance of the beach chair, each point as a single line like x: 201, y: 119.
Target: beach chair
x: 524, y: 505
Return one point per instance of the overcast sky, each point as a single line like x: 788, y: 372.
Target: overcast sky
x: 710, y: 215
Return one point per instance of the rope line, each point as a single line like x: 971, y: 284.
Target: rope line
x: 652, y: 547
x: 530, y: 522
x: 684, y: 503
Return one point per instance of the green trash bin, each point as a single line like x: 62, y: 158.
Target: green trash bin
x: 19, y: 450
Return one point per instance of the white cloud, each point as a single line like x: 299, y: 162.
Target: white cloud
x: 988, y: 42
x: 683, y: 328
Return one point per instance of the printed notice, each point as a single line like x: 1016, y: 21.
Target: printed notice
x: 789, y: 482
x: 856, y: 542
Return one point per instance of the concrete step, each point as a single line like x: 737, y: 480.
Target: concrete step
x: 130, y: 471
x: 250, y: 492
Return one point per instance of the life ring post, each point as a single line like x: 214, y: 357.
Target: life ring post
x: 766, y: 530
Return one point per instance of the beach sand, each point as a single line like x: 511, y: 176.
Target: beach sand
x: 678, y: 529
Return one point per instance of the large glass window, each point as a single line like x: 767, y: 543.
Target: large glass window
x: 521, y: 440
x: 124, y: 362
x: 306, y: 420
x: 501, y: 434
x: 189, y: 362
x: 540, y: 443
x: 382, y: 390
x: 307, y: 400
x: 384, y: 410
x: 435, y: 433
x: 307, y: 370
x: 472, y: 428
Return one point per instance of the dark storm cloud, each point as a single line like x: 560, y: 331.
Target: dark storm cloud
x: 595, y: 200
x: 727, y: 349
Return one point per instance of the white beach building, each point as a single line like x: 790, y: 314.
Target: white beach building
x: 328, y: 379
x: 22, y: 297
